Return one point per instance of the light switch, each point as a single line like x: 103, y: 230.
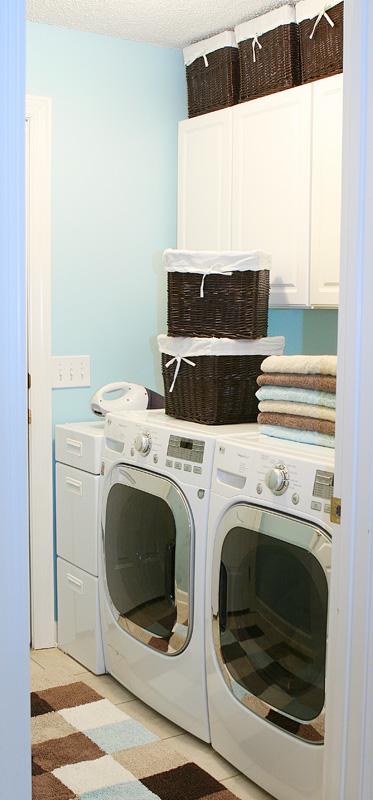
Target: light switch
x: 71, y: 371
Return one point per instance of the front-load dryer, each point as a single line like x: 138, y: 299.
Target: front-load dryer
x: 268, y: 572
x: 154, y: 498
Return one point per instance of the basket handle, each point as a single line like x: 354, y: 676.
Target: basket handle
x: 322, y: 14
x: 178, y: 360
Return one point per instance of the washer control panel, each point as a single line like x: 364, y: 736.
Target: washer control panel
x: 184, y: 449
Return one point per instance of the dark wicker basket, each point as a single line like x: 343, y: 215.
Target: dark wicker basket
x: 276, y: 66
x: 218, y: 390
x: 213, y: 86
x: 322, y: 55
x: 233, y: 306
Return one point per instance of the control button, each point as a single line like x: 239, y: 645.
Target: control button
x: 178, y: 465
x: 277, y: 479
x: 315, y: 506
x: 197, y: 470
x: 259, y: 488
x: 201, y: 493
x: 143, y: 443
x: 169, y: 463
x: 155, y: 458
x: 295, y: 498
x: 132, y: 451
x: 327, y: 508
x: 187, y: 467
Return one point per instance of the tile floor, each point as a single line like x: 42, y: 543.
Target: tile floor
x: 50, y: 665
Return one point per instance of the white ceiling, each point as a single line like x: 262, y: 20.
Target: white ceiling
x: 168, y: 23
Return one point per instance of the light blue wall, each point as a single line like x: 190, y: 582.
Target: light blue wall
x: 115, y: 108
x: 312, y: 332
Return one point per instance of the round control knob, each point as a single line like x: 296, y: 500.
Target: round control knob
x: 277, y: 479
x: 143, y: 443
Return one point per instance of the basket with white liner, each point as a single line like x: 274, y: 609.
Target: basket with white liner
x: 221, y: 294
x: 212, y: 73
x: 269, y: 57
x: 321, y: 38
x: 213, y: 381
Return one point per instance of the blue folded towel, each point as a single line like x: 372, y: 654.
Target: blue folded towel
x: 290, y: 393
x: 296, y: 435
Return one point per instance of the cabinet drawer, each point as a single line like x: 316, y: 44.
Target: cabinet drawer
x: 77, y: 516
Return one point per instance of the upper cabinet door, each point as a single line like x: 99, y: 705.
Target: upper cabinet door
x: 271, y: 188
x: 205, y: 182
x: 326, y: 191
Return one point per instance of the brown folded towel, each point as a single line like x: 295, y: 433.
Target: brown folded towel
x: 296, y: 421
x: 324, y: 383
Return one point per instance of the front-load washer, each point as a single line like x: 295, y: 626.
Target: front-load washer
x: 268, y: 572
x: 154, y: 497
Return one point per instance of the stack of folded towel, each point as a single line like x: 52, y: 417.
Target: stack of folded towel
x: 297, y: 398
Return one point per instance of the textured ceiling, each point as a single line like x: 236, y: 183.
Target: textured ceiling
x: 168, y: 23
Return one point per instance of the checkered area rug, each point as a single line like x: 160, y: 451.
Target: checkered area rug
x: 85, y: 747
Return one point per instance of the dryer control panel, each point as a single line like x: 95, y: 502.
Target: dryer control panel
x: 296, y: 478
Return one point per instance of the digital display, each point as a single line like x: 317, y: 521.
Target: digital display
x: 187, y: 444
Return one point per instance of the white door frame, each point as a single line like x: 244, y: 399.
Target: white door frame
x: 38, y: 257
x: 349, y: 724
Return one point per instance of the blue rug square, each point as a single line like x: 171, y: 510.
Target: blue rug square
x: 121, y: 735
x: 133, y: 790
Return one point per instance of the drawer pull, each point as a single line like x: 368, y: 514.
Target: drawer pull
x: 76, y: 487
x: 74, y: 446
x: 74, y: 583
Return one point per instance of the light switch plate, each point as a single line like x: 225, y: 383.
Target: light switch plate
x: 71, y: 371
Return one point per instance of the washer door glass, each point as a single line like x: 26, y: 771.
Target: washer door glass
x: 271, y: 627
x: 147, y: 540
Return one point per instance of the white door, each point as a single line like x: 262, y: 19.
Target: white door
x: 205, y: 182
x: 271, y: 194
x: 38, y: 130
x: 326, y: 191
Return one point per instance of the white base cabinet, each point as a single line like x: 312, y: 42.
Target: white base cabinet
x: 266, y: 175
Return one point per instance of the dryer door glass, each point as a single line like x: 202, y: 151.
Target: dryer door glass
x: 273, y: 600
x: 147, y: 549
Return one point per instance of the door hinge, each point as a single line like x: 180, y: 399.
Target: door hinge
x: 28, y: 380
x: 29, y: 417
x: 336, y: 510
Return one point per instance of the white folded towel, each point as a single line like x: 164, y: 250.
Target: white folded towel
x: 305, y: 365
x: 301, y: 409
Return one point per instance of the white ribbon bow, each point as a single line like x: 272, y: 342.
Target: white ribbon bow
x: 254, y: 42
x: 211, y: 269
x: 322, y: 14
x: 178, y: 360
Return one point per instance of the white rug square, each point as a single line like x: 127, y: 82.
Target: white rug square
x: 86, y: 776
x: 93, y: 715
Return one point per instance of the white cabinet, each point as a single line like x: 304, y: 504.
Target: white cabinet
x: 326, y: 191
x: 205, y: 182
x: 266, y: 175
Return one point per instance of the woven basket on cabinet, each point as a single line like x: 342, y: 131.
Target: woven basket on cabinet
x: 321, y: 38
x: 269, y: 55
x: 212, y: 74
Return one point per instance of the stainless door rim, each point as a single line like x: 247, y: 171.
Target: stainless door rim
x: 160, y: 486
x: 302, y: 533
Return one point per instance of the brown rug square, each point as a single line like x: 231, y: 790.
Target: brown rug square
x: 69, y: 750
x: 47, y: 787
x: 188, y: 782
x: 69, y: 696
x: 38, y: 705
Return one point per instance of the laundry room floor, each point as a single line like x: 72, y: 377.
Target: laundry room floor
x: 51, y: 667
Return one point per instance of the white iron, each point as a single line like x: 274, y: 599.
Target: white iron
x: 132, y: 397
